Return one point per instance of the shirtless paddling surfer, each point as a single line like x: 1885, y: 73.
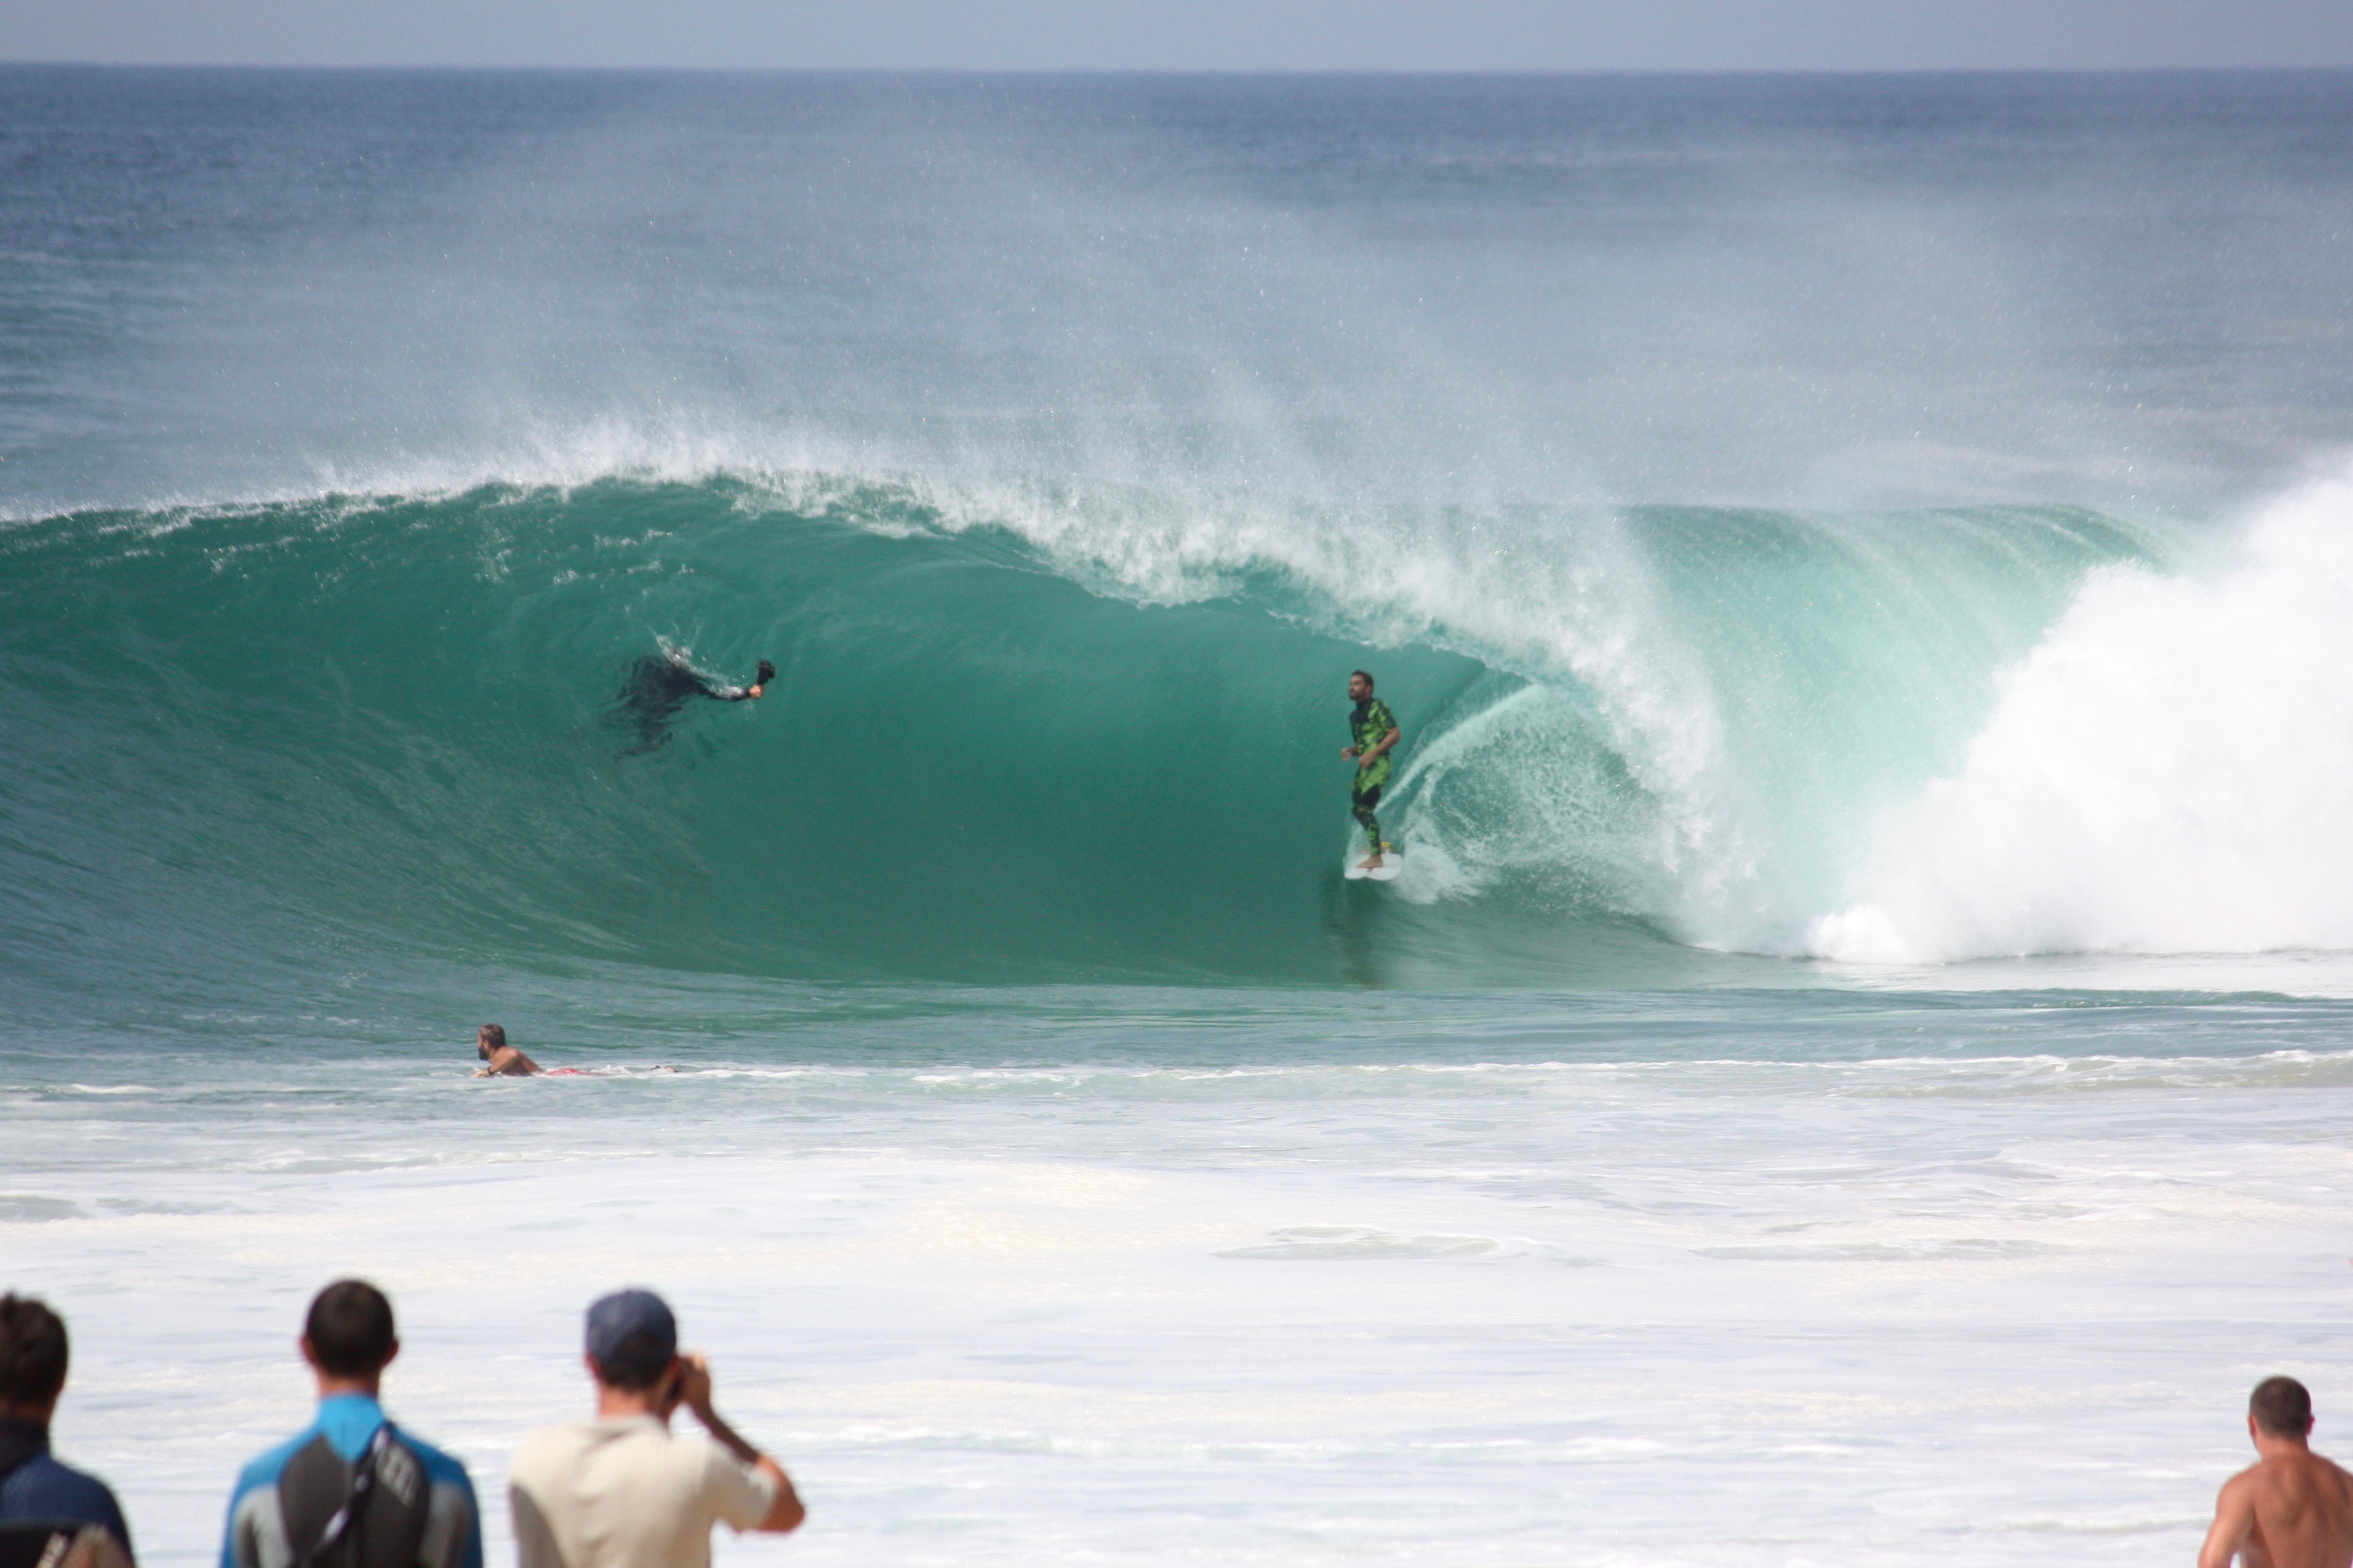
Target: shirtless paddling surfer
x: 2291, y: 1509
x: 505, y: 1061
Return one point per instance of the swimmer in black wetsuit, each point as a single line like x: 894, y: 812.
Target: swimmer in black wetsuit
x: 659, y: 688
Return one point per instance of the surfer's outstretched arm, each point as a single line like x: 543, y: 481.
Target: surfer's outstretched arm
x: 509, y: 1062
x: 743, y: 693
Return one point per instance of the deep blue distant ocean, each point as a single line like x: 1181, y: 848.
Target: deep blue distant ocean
x: 1854, y: 1070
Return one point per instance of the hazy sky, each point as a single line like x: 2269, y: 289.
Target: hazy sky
x: 1191, y: 35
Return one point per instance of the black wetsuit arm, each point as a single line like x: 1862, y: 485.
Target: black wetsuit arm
x: 767, y: 672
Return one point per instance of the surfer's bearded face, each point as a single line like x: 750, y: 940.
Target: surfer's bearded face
x: 1360, y: 687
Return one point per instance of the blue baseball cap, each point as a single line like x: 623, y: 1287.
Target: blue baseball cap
x: 632, y: 1331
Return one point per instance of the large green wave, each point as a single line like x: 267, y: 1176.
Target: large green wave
x: 1024, y: 736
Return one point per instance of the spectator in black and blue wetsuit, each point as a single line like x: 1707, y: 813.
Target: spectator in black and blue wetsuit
x: 48, y: 1510
x: 349, y: 1491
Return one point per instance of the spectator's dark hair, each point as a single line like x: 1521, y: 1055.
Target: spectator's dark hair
x: 637, y: 1368
x: 491, y: 1037
x: 350, y: 1329
x: 32, y: 1351
x: 2281, y: 1407
x: 1368, y: 675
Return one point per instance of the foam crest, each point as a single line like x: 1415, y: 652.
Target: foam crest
x: 1495, y: 798
x: 793, y: 467
x: 2164, y: 773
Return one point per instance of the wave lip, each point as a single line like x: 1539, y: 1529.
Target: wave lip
x: 2168, y: 773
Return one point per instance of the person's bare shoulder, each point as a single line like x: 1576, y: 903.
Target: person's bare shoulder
x: 2254, y: 1488
x: 2246, y: 1483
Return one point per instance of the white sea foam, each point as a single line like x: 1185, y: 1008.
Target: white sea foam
x: 1748, y: 1312
x: 2172, y: 771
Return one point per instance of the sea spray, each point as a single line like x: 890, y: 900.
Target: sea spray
x: 2166, y: 771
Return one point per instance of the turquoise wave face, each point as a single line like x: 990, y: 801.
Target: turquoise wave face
x: 406, y: 720
x: 994, y: 749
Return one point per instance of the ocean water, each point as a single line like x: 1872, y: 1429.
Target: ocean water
x: 1854, y: 1070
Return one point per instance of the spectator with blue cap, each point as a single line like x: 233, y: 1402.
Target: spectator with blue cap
x: 621, y: 1489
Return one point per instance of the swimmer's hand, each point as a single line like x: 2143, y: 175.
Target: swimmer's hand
x: 1348, y: 754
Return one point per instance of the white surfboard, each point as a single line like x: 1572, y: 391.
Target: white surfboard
x: 1387, y: 871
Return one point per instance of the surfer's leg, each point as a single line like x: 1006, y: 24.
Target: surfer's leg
x: 1362, y: 800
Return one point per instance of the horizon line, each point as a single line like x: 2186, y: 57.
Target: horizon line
x: 1516, y: 72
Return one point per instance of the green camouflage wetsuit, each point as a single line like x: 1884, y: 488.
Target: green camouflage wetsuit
x: 1371, y: 725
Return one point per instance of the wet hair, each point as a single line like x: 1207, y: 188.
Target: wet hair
x: 1366, y: 674
x: 350, y: 1329
x: 2281, y: 1407
x: 489, y: 1038
x: 32, y: 1351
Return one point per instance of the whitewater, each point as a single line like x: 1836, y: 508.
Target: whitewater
x: 1849, y: 1074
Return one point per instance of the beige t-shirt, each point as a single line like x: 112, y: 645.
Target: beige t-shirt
x: 625, y: 1492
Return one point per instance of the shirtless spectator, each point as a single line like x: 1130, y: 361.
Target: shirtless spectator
x: 2291, y: 1509
x: 505, y: 1061
x: 622, y: 1491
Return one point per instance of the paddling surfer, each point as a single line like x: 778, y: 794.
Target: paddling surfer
x: 2291, y: 1509
x: 658, y: 686
x: 1376, y: 734
x: 505, y: 1061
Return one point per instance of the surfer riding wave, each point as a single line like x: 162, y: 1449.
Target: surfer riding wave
x: 1375, y: 732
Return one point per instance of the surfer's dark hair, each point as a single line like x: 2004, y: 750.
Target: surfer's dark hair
x: 32, y: 1351
x: 492, y: 1035
x: 2281, y: 1407
x: 350, y: 1329
x: 1368, y: 674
